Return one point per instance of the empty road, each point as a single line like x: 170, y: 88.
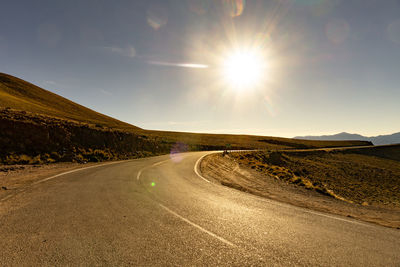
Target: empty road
x: 157, y: 211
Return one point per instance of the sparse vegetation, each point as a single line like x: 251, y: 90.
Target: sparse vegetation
x: 37, y: 126
x: 18, y: 94
x: 27, y: 138
x: 361, y: 183
x: 368, y: 176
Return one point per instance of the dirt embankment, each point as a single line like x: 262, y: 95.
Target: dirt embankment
x: 38, y: 126
x: 363, y: 186
x: 32, y: 138
x: 27, y: 138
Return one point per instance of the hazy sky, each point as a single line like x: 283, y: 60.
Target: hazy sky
x: 332, y: 65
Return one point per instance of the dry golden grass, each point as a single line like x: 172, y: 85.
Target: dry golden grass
x: 363, y: 175
x: 36, y: 122
x: 28, y: 138
x: 21, y: 95
x: 204, y: 141
x: 266, y: 174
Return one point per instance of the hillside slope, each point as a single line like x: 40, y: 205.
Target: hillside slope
x: 356, y: 182
x: 21, y: 95
x: 39, y: 126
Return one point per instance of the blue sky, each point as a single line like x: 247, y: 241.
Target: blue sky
x: 333, y: 66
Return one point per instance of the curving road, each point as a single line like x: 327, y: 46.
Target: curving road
x: 158, y: 211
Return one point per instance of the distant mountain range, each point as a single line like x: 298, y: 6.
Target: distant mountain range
x: 376, y: 140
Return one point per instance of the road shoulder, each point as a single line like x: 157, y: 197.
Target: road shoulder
x: 226, y: 171
x: 15, y: 178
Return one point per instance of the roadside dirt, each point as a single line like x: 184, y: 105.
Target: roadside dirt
x: 226, y: 170
x: 14, y: 178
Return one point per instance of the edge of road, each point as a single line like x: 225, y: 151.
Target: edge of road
x: 12, y: 194
x: 283, y: 204
x: 198, y: 173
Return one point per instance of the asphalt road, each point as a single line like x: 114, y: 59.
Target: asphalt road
x: 158, y: 211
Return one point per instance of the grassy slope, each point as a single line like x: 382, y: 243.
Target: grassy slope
x: 20, y: 95
x: 359, y: 175
x: 248, y: 141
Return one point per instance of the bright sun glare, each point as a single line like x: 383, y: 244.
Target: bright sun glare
x: 244, y: 70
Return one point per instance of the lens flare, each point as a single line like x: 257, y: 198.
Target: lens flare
x: 157, y: 16
x: 176, y: 151
x: 234, y: 7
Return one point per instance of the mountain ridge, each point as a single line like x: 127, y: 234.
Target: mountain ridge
x: 376, y: 140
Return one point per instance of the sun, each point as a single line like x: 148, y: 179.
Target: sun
x: 244, y: 69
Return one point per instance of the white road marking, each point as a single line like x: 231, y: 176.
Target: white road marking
x: 271, y: 201
x: 155, y: 164
x: 160, y: 162
x: 198, y: 226
x: 306, y: 210
x: 196, y: 167
x: 63, y: 173
x: 76, y: 170
x: 179, y: 216
x: 340, y: 219
x: 138, y: 174
x: 275, y: 202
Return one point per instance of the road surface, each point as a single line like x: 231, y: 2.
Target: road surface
x: 158, y: 211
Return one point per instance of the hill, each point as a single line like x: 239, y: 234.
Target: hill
x: 385, y: 139
x: 21, y: 95
x: 377, y: 140
x: 367, y: 174
x: 360, y: 182
x: 39, y: 126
